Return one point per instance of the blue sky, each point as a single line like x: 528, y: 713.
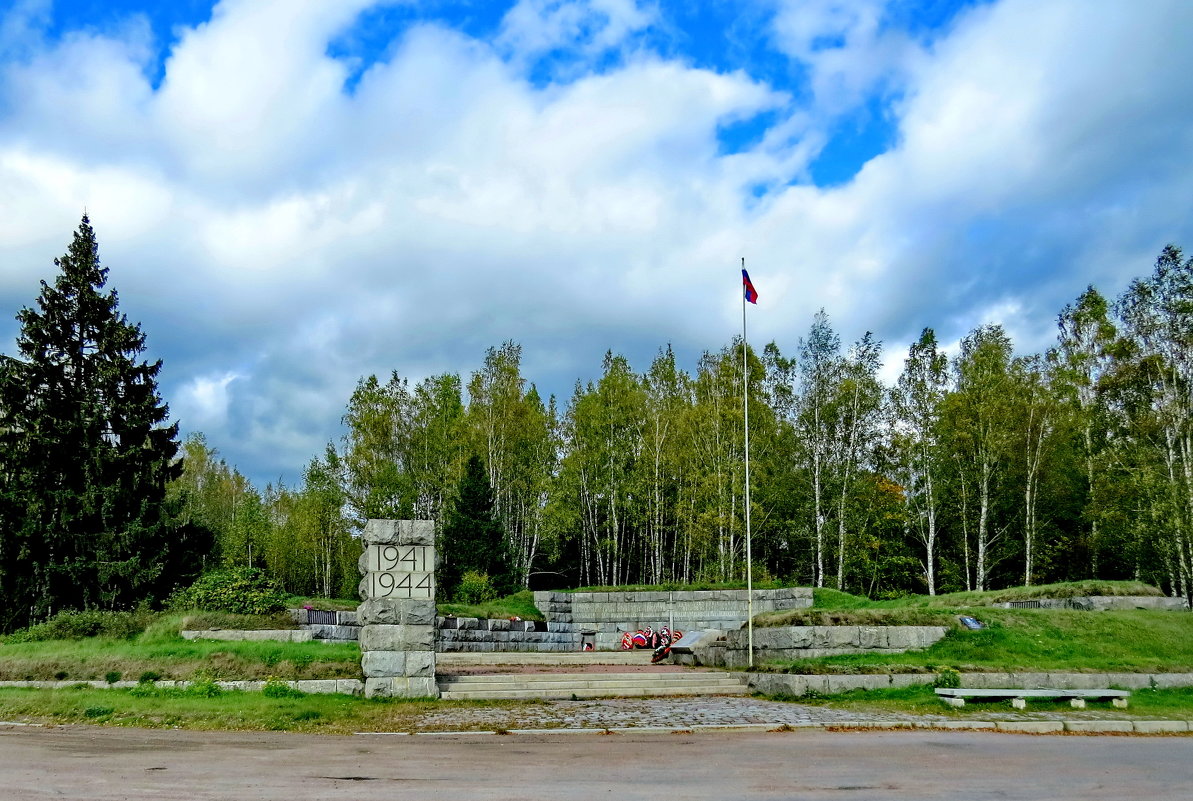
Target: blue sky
x: 294, y: 193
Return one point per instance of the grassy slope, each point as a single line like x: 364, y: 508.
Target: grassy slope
x: 520, y: 604
x: 1018, y: 640
x: 1027, y: 640
x: 161, y: 650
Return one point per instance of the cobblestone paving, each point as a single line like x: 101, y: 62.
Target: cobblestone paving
x: 676, y: 713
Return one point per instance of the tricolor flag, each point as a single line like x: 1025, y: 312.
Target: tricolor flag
x: 751, y: 292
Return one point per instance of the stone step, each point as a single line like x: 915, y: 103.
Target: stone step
x: 456, y: 658
x: 581, y: 694
x: 591, y: 685
x: 693, y: 677
x: 607, y: 687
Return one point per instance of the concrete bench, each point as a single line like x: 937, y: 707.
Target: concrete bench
x: 955, y: 696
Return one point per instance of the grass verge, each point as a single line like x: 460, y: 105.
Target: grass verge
x: 231, y: 710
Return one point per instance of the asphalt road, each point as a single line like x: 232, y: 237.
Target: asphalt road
x: 90, y: 763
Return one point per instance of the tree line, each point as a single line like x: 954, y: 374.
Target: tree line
x: 982, y: 470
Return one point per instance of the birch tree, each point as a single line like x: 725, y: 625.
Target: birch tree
x: 1082, y: 358
x: 917, y: 400
x: 819, y: 372
x: 858, y: 408
x: 980, y: 432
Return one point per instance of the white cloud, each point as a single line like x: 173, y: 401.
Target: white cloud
x: 587, y: 28
x: 279, y: 236
x: 203, y: 401
x: 846, y: 47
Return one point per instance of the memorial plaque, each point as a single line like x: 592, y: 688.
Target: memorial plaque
x: 400, y: 571
x: 398, y: 584
x: 399, y: 559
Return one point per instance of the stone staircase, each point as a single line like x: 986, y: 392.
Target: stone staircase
x: 568, y: 659
x: 589, y: 685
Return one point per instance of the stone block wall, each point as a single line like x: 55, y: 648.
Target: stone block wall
x: 1102, y: 603
x: 803, y: 642
x: 278, y: 635
x: 795, y: 684
x: 470, y: 634
x: 611, y: 614
x: 344, y: 628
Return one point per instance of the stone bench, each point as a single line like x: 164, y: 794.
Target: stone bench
x: 955, y: 696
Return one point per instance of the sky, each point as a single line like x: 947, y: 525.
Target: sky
x: 293, y: 194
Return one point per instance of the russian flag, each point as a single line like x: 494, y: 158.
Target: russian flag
x: 751, y: 292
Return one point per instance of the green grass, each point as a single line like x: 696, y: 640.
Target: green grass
x: 856, y: 617
x: 520, y: 604
x: 204, y: 708
x: 162, y: 650
x: 1169, y: 704
x: 835, y: 608
x: 1031, y: 640
x: 323, y: 604
x: 834, y: 599
x: 204, y: 621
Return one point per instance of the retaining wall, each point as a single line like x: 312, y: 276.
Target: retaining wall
x: 791, y: 684
x: 280, y: 635
x: 766, y: 683
x: 1101, y: 603
x: 731, y: 648
x: 327, y: 625
x: 611, y: 614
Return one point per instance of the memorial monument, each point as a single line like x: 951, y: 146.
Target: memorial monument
x: 397, y: 613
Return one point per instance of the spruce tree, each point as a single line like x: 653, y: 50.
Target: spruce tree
x: 472, y: 538
x: 85, y: 456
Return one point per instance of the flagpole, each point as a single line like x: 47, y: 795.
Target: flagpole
x: 745, y: 372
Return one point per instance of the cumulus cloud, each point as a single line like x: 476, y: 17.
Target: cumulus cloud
x: 846, y: 47
x: 279, y: 233
x: 587, y: 29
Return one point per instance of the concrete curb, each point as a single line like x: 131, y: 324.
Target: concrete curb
x: 1001, y: 726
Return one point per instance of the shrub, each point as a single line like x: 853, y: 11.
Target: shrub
x: 475, y: 588
x: 70, y: 625
x: 276, y: 688
x: 112, y: 676
x: 242, y: 590
x: 947, y: 677
x: 204, y: 688
x: 149, y: 676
